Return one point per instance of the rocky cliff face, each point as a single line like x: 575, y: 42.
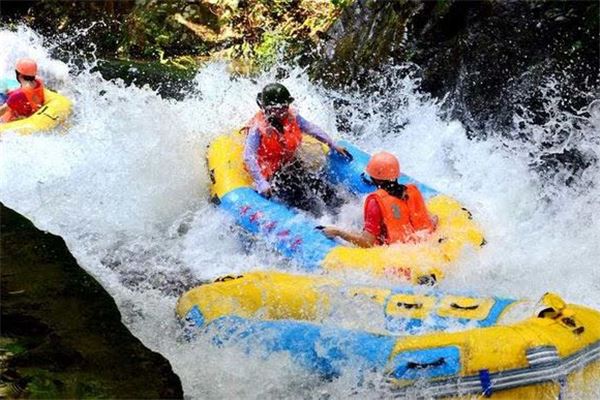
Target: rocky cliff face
x: 490, y: 57
x: 62, y: 335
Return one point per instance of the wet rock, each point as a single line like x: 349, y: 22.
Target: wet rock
x: 491, y: 58
x: 62, y: 335
x: 168, y: 80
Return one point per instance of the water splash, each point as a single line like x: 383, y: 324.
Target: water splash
x: 127, y: 190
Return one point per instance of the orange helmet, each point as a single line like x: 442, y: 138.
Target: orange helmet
x: 383, y: 166
x: 26, y: 66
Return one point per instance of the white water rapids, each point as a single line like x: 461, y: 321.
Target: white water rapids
x: 126, y: 187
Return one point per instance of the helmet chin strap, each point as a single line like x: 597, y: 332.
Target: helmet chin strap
x: 259, y: 100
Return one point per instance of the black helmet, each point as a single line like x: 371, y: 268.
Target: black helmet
x: 274, y: 94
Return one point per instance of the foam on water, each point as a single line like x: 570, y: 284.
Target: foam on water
x: 126, y: 188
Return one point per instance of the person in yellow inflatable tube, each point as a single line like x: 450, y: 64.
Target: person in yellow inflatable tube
x: 394, y: 213
x: 26, y: 100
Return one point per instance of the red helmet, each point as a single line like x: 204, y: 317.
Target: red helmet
x: 26, y: 66
x: 383, y: 166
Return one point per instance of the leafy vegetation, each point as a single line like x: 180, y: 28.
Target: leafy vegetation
x: 252, y: 32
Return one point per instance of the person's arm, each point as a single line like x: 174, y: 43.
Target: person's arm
x: 363, y: 239
x: 3, y: 109
x: 251, y: 160
x: 372, y: 227
x: 315, y: 131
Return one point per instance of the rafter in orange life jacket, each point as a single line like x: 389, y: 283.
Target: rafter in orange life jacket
x: 403, y: 218
x: 21, y: 109
x: 276, y: 148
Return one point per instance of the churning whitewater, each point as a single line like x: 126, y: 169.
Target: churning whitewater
x: 126, y: 186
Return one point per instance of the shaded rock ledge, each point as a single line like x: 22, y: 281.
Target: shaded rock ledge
x: 61, y: 333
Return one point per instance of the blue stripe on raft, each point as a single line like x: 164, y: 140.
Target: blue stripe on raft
x: 293, y: 234
x: 348, y: 173
x: 193, y: 319
x: 492, y: 318
x: 434, y: 322
x: 195, y: 316
x: 319, y: 349
x: 444, y: 323
x: 426, y: 364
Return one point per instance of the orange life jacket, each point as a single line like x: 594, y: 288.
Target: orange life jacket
x: 35, y: 100
x: 276, y: 149
x: 403, y: 218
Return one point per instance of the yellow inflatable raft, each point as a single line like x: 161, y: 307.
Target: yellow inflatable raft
x: 293, y: 233
x: 54, y: 112
x: 426, y: 345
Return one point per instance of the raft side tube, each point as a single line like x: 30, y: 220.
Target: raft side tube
x: 293, y: 234
x: 275, y: 295
x: 527, y: 357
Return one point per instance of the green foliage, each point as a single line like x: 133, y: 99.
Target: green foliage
x: 442, y: 6
x: 266, y: 51
x: 14, y: 348
x: 45, y: 385
x: 341, y: 3
x: 253, y: 32
x: 152, y: 30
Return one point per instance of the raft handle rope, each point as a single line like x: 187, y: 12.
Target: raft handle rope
x: 572, y: 323
x: 366, y: 179
x: 228, y: 278
x: 469, y: 213
x: 578, y: 331
x: 427, y: 280
x: 42, y: 111
x: 569, y: 322
x: 410, y: 306
x: 211, y: 174
x: 548, y: 313
x: 434, y: 364
x: 466, y: 308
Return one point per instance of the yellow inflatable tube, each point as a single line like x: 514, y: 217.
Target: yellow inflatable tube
x: 54, y: 112
x: 232, y: 188
x: 462, y: 345
x: 415, y: 262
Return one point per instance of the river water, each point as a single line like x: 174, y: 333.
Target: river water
x: 126, y: 187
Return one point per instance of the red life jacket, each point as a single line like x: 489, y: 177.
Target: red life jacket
x: 403, y: 219
x: 24, y: 102
x: 276, y: 149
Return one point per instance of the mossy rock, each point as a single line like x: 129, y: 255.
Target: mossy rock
x: 171, y: 79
